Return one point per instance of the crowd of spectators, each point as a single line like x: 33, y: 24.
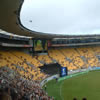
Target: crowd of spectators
x: 14, y: 87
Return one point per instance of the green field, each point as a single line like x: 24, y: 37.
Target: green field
x: 85, y: 85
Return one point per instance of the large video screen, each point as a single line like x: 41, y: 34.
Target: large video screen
x: 63, y: 71
x: 40, y: 45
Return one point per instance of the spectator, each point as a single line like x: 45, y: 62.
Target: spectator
x: 84, y: 99
x: 17, y: 88
x: 74, y: 98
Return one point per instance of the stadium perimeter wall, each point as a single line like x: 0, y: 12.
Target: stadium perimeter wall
x: 71, y: 73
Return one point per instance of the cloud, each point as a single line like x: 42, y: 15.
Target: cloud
x: 70, y: 17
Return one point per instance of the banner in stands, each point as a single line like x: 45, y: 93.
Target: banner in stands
x: 40, y: 45
x: 63, y: 71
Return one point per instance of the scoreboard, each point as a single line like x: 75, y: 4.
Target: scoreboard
x: 40, y: 45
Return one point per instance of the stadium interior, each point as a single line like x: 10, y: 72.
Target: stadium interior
x: 27, y: 58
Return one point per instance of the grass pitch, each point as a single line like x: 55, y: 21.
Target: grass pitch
x: 85, y: 85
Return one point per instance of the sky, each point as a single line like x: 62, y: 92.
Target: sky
x: 68, y: 17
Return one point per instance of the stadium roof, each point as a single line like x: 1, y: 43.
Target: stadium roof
x: 10, y: 20
x: 14, y: 35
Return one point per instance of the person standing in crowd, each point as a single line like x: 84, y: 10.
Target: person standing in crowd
x: 56, y: 79
x: 84, y: 99
x: 74, y: 98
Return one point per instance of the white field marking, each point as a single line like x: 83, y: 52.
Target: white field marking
x: 60, y: 91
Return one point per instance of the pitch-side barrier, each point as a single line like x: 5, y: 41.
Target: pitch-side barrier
x: 71, y: 73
